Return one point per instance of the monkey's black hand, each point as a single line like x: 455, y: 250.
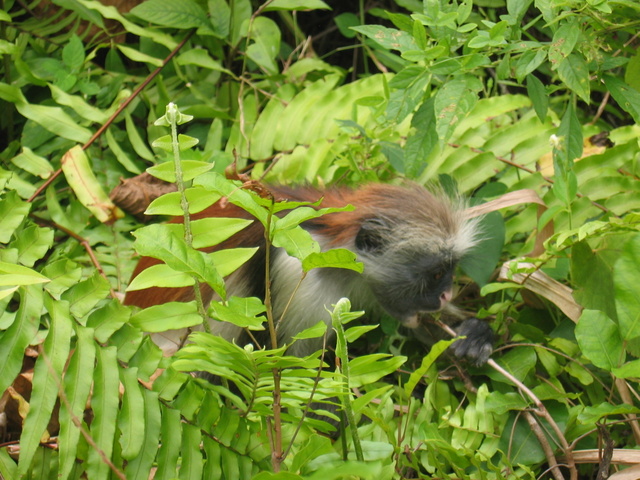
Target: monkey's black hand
x: 478, y: 344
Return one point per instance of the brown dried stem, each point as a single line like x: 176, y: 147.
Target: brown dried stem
x: 541, y: 411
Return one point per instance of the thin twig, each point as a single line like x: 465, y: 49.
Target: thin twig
x: 607, y: 452
x: 540, y: 410
x: 625, y: 395
x: 78, y: 423
x: 546, y: 448
x: 305, y: 412
x: 82, y: 241
x: 601, y: 107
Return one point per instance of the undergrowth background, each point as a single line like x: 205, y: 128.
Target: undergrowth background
x: 531, y: 107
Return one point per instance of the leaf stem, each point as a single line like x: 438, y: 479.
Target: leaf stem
x: 276, y: 439
x: 172, y: 117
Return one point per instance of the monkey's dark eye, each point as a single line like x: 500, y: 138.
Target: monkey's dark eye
x: 438, y: 275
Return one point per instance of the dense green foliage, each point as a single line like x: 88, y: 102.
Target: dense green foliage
x: 497, y: 99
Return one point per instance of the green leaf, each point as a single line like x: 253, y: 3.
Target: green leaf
x: 139, y: 467
x: 300, y: 214
x: 169, y: 204
x: 452, y: 103
x: 416, y: 376
x: 159, y: 242
x: 423, y: 141
x: 628, y: 370
x: 170, y: 436
x: 626, y: 278
x: 220, y: 15
x: 11, y: 274
x: 243, y: 312
x: 368, y: 369
x: 160, y: 275
x: 395, y: 154
x: 57, y: 121
x: 122, y: 156
x: 104, y: 405
x: 335, y: 258
x: 529, y: 61
x: 517, y: 8
x: 599, y: 339
x: 192, y: 462
x: 184, y: 14
x: 574, y: 72
x: 480, y: 262
x: 314, y: 331
x: 213, y: 452
x: 47, y: 376
x: 564, y: 41
x: 15, y: 339
x: 32, y: 244
x: 593, y: 278
x: 501, y: 403
x: 346, y: 20
x: 84, y: 296
x: 190, y: 170
x: 169, y: 384
x: 518, y: 362
x: 244, y: 199
x: 108, y: 319
x: 297, y: 5
x: 168, y: 316
x: 538, y: 95
x: 80, y: 176
x: 77, y: 386
x: 147, y: 359
x: 53, y: 119
x: 32, y: 163
x: 73, y: 54
x: 627, y: 97
x: 131, y: 416
x: 229, y: 260
x: 389, y: 38
x: 13, y: 210
x: 201, y: 58
x: 139, y: 145
x: 138, y: 56
x: 8, y: 467
x: 570, y: 131
x: 266, y: 43
x: 297, y: 242
x: 632, y: 72
x: 593, y: 414
x: 208, y: 232
x: 79, y: 105
x: 108, y: 12
x: 354, y: 333
x: 165, y: 142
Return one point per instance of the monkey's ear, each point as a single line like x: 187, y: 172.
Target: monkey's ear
x: 373, y: 234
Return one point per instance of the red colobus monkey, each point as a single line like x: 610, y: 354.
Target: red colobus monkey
x: 408, y: 238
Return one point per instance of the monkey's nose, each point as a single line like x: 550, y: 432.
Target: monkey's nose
x: 445, y: 297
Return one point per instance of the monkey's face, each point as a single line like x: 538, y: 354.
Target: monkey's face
x: 406, y: 276
x: 406, y: 285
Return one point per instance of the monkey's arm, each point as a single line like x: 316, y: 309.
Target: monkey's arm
x: 477, y: 345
